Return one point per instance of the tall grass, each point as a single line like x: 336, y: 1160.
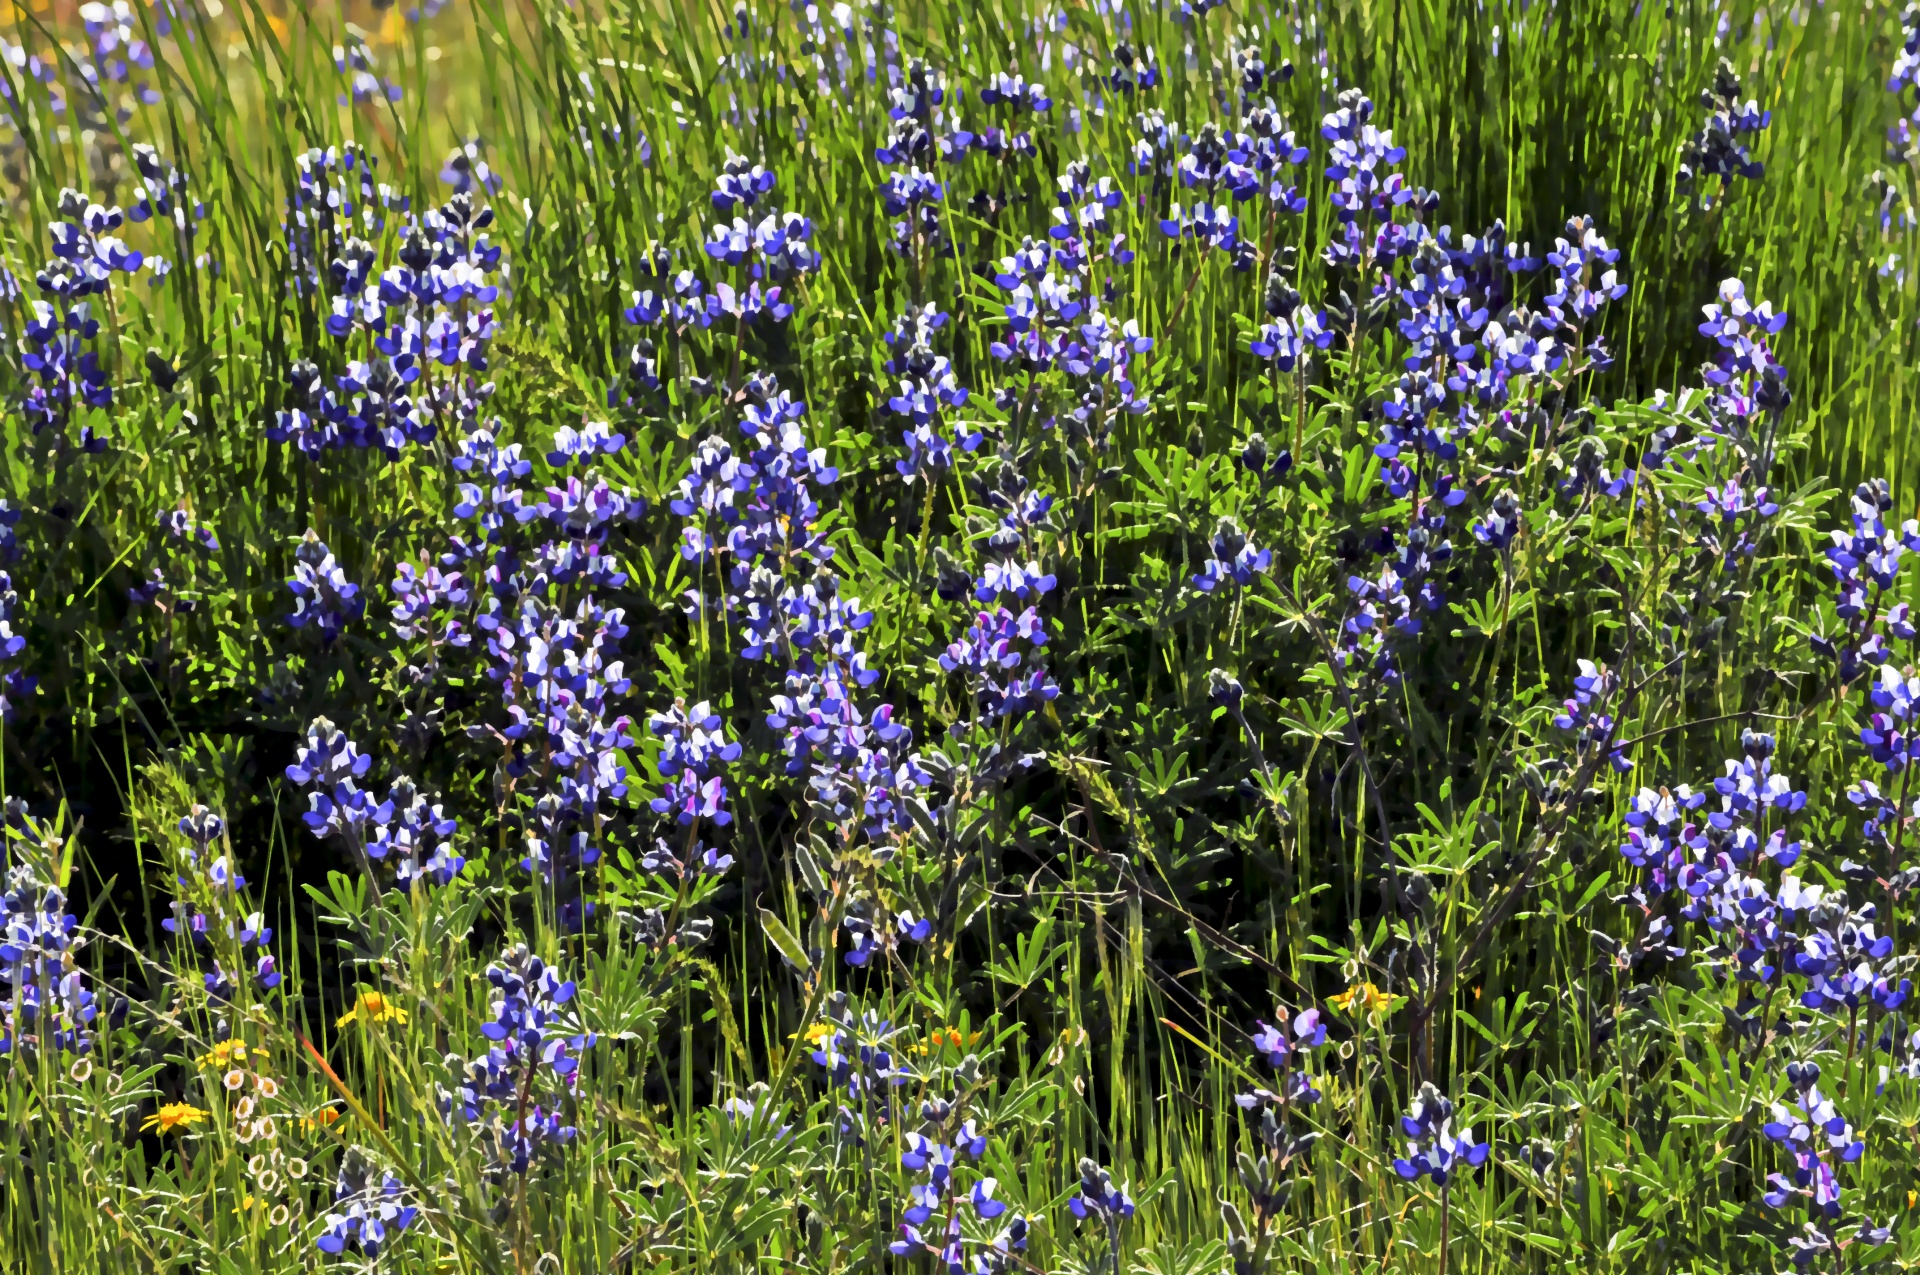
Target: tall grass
x: 1114, y: 915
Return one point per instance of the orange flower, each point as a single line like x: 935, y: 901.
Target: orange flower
x: 320, y: 1119
x: 941, y: 1037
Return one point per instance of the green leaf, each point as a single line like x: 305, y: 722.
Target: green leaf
x: 784, y: 942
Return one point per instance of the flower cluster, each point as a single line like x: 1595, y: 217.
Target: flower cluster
x: 16, y: 685
x: 416, y: 329
x: 778, y: 245
x: 991, y: 656
x: 548, y: 641
x: 370, y: 1211
x: 928, y: 391
x: 857, y: 1054
x: 167, y: 198
x: 57, y: 335
x: 1808, y: 1128
x: 694, y: 747
x: 758, y: 515
x: 322, y: 595
x: 512, y: 1098
x: 1433, y: 1149
x: 47, y: 1005
x: 1701, y: 856
x: 1866, y: 563
x: 932, y: 1221
x: 1100, y: 1199
x: 1722, y: 146
x: 405, y: 827
x: 1235, y: 559
x: 1585, y: 716
x: 212, y: 913
x: 1286, y: 1046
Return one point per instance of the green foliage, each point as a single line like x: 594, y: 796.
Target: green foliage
x: 1436, y: 866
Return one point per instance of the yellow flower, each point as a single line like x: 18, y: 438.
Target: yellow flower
x: 175, y: 1115
x: 372, y: 1007
x: 818, y: 1032
x: 226, y: 1054
x: 246, y: 1202
x: 1370, y: 999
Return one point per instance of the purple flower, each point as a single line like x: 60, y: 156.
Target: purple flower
x: 365, y: 1216
x: 45, y: 1004
x: 1721, y: 148
x: 740, y: 184
x: 323, y: 596
x: 417, y: 835
x: 990, y: 654
x: 1099, y: 1197
x: 1433, y: 1150
x: 1235, y: 558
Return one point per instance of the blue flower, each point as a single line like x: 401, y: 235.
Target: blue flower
x: 1015, y: 92
x: 740, y: 184
x: 694, y: 749
x: 1502, y: 520
x: 1592, y: 689
x: 1361, y: 160
x: 366, y: 1215
x: 47, y: 1005
x: 1099, y: 1197
x: 991, y: 653
x: 1433, y: 1150
x: 417, y: 835
x: 1721, y: 147
x: 1235, y: 558
x: 323, y: 596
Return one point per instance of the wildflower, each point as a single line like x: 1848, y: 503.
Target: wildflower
x: 367, y: 1215
x: 321, y: 1119
x: 945, y: 1037
x: 1720, y: 149
x: 322, y: 594
x: 407, y: 827
x: 46, y: 1001
x: 858, y: 1055
x: 225, y: 1054
x: 1099, y: 1197
x: 1368, y: 998
x: 1592, y: 689
x: 173, y: 1117
x: 1503, y: 519
x: 234, y: 1079
x: 1433, y: 1150
x: 373, y: 1007
x: 1235, y: 558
